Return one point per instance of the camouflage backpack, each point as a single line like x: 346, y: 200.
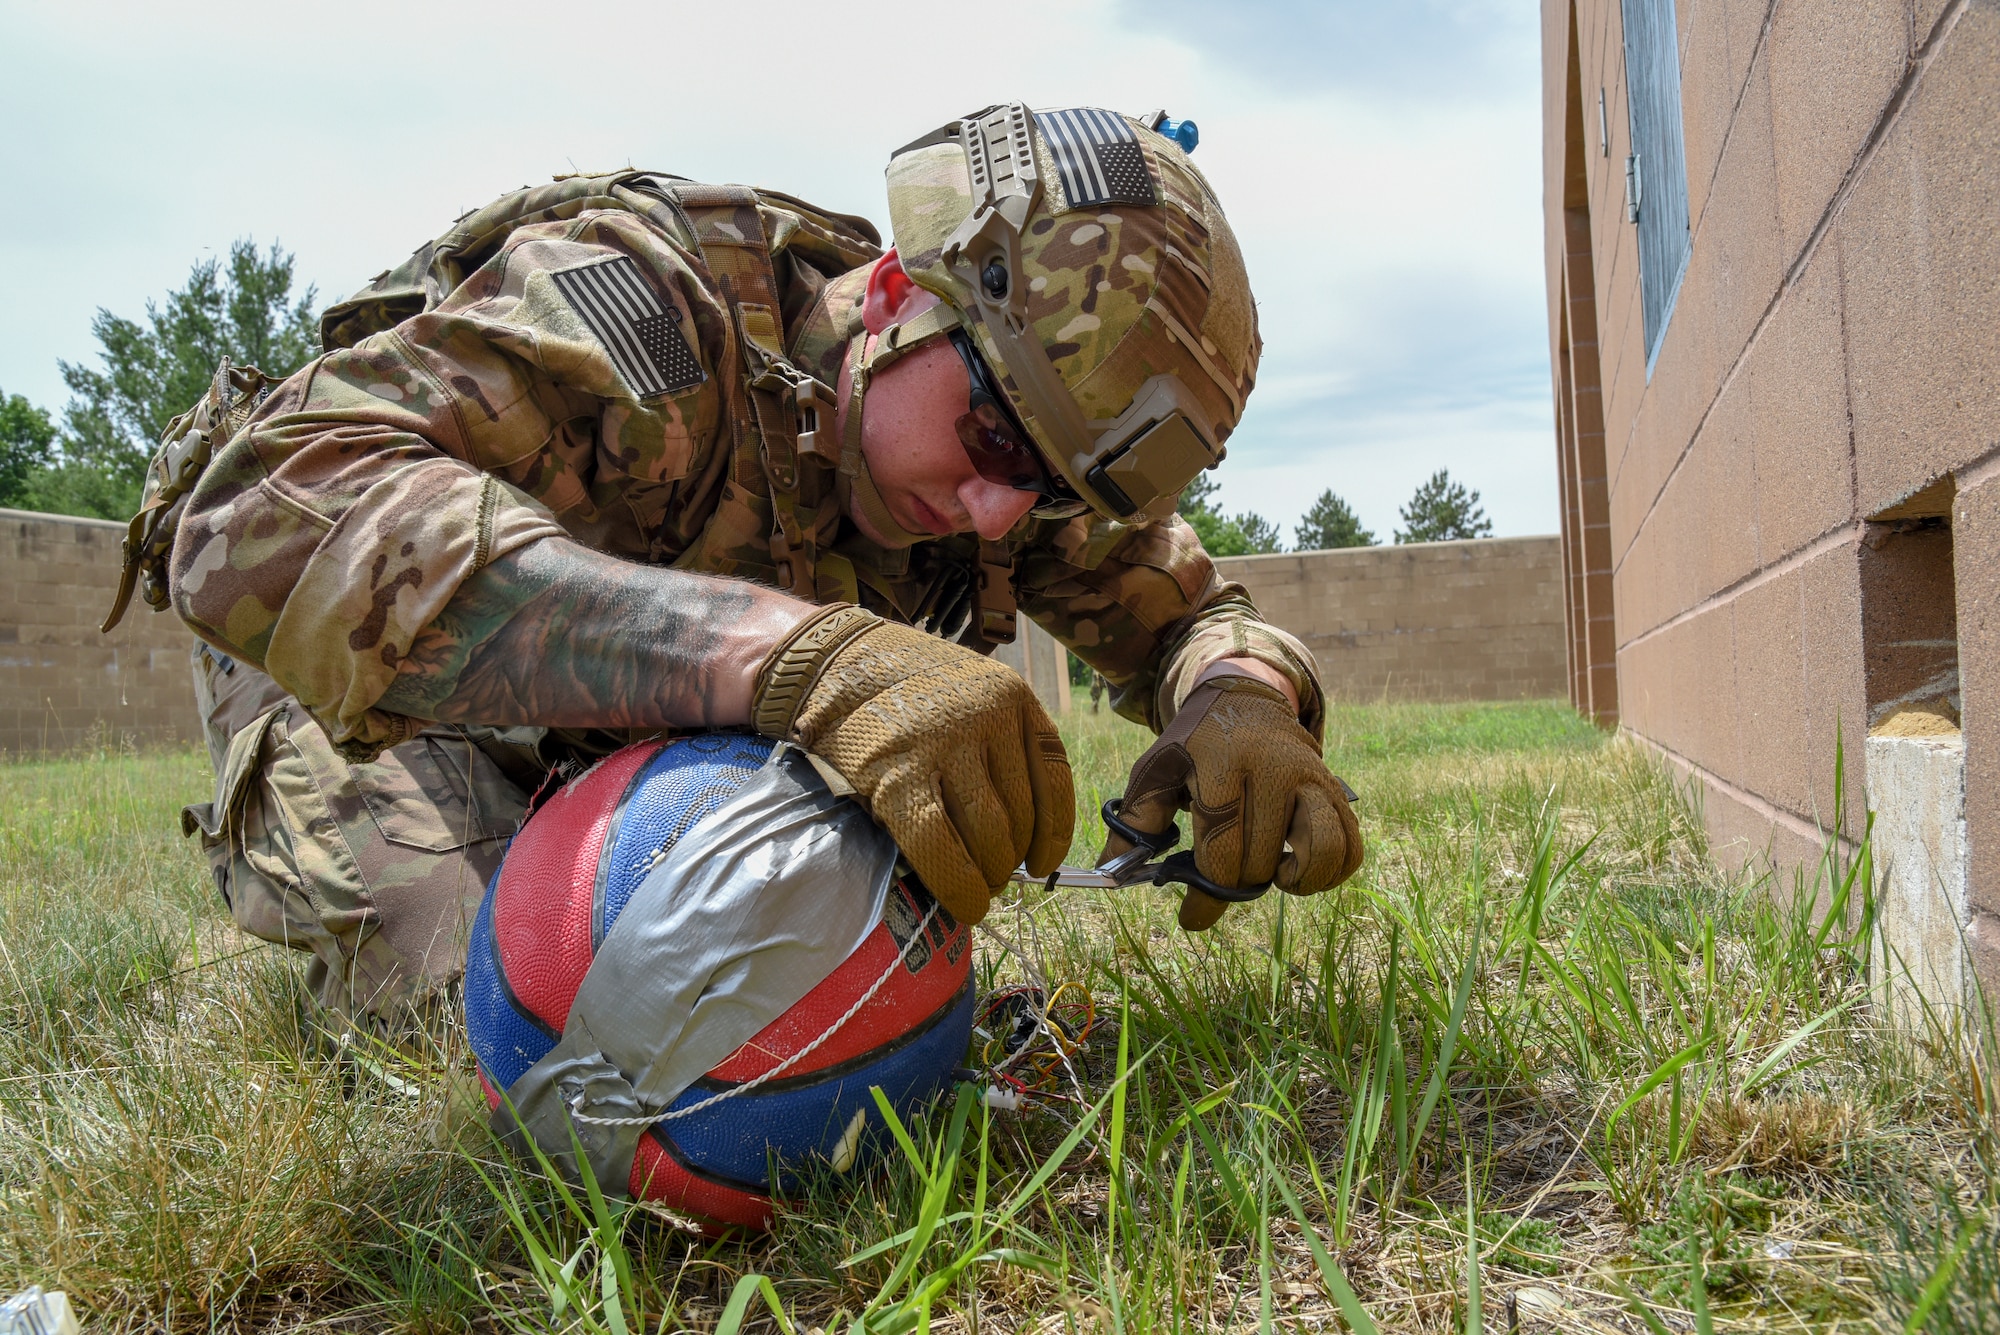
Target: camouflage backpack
x: 185, y: 449
x: 776, y: 415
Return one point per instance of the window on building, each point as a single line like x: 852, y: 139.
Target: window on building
x: 1656, y: 196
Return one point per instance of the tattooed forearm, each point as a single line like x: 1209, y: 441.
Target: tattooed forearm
x: 557, y: 635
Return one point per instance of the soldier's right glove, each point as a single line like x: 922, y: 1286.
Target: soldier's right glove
x: 950, y: 751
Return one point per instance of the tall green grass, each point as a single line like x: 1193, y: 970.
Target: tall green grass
x: 1540, y: 1065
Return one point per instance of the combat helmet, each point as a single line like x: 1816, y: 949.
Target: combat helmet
x: 1091, y: 264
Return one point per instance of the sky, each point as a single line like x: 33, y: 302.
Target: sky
x: 1380, y: 163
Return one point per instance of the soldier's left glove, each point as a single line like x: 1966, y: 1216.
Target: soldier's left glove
x: 1254, y: 780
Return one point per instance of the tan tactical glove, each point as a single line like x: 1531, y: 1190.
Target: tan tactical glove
x: 950, y: 751
x: 1236, y: 755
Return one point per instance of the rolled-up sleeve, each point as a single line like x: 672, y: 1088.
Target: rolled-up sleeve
x: 331, y: 531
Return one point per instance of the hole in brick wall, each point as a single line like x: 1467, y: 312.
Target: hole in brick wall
x: 1909, y: 616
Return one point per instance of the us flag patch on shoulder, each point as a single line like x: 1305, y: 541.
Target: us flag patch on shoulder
x: 642, y: 335
x: 1098, y: 157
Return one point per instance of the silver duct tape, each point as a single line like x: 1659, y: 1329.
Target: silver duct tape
x: 752, y: 909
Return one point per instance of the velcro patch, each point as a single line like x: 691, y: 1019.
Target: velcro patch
x: 643, y: 336
x: 1098, y: 157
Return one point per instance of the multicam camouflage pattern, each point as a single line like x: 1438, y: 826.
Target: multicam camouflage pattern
x: 184, y: 449
x: 1117, y: 293
x: 377, y: 869
x: 326, y: 536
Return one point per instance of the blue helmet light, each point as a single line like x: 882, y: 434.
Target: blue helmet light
x: 1183, y: 133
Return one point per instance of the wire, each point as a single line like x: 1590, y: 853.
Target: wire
x: 1032, y: 1038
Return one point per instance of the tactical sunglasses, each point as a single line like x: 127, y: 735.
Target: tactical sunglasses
x: 1000, y: 449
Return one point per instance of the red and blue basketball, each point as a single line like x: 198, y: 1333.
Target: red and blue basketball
x: 566, y: 878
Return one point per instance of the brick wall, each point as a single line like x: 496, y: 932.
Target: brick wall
x: 1799, y: 492
x: 61, y: 682
x: 1480, y: 620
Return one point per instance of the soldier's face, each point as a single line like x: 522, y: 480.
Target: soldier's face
x: 909, y: 428
x: 909, y: 435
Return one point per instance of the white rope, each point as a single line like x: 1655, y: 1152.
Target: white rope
x: 783, y: 1066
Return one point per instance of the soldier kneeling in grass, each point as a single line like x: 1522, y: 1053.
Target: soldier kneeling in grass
x: 626, y: 454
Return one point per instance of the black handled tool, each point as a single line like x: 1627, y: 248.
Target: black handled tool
x: 1133, y: 868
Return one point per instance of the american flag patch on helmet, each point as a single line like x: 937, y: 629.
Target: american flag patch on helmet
x: 643, y: 336
x: 1098, y: 157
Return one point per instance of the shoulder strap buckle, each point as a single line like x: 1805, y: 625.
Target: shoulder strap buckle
x: 997, y: 606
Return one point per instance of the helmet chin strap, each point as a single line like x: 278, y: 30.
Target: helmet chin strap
x: 854, y: 485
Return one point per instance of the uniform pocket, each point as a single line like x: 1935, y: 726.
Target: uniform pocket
x: 438, y: 793
x: 241, y: 764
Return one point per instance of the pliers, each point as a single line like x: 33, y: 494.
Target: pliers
x: 1132, y: 867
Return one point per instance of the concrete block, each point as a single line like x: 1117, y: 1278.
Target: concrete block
x: 1916, y: 790
x: 1708, y: 96
x: 1982, y: 957
x: 1769, y: 686
x: 1923, y: 17
x: 1647, y: 462
x: 1621, y: 342
x: 1832, y: 70
x: 1744, y: 21
x: 1645, y: 687
x: 1723, y: 489
x: 1800, y: 447
x: 1834, y: 689
x: 1739, y: 230
x: 1683, y: 658
x: 1634, y: 600
x: 1921, y: 267
x: 1743, y: 837
x: 1976, y: 529
x: 1690, y: 365
x: 1713, y: 726
x: 1631, y: 668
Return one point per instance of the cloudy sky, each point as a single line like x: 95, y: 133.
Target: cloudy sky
x: 1380, y: 162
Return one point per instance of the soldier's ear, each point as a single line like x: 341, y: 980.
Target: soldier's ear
x: 891, y: 296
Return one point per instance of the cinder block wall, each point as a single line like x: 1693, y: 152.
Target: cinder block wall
x: 1037, y: 656
x: 1828, y: 383
x: 62, y: 683
x: 1479, y: 620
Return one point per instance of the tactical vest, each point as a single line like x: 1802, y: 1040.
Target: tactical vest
x: 784, y: 451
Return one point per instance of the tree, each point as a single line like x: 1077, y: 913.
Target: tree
x: 157, y: 370
x: 1259, y: 533
x: 1245, y: 534
x: 1443, y: 511
x: 27, y: 445
x: 1331, y: 523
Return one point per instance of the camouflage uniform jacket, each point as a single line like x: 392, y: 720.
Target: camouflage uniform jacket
x: 581, y: 360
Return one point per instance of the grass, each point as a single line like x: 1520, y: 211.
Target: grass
x: 1540, y: 1066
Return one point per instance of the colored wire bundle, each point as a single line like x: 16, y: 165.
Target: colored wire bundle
x: 1031, y: 1040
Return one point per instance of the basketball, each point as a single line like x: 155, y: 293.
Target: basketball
x: 795, y: 1092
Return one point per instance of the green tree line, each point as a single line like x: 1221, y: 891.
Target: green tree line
x: 93, y: 461
x: 1441, y: 510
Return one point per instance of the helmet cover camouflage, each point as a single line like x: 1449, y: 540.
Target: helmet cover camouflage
x: 1092, y: 264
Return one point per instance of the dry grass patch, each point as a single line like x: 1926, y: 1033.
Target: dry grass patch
x: 1539, y: 1062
